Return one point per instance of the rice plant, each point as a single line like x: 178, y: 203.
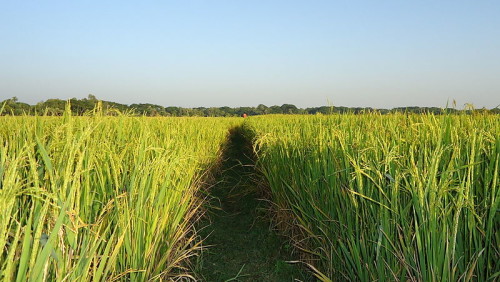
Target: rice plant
x: 101, y: 198
x: 374, y: 197
x: 394, y: 197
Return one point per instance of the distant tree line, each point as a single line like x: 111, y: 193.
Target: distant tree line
x: 87, y: 105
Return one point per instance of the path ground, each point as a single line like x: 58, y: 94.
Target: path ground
x: 242, y: 245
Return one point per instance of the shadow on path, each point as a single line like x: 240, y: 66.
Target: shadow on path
x: 242, y: 246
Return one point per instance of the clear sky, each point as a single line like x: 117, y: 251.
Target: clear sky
x: 190, y: 53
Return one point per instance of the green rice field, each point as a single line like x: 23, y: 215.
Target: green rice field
x: 368, y: 197
x: 397, y: 197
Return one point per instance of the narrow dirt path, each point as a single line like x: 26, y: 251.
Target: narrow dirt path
x: 243, y: 247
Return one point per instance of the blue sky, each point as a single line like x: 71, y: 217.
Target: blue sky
x: 187, y: 53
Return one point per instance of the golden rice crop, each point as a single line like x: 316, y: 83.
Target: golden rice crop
x: 94, y: 198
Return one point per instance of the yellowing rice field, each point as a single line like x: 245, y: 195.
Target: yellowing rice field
x: 362, y: 197
x: 101, y: 198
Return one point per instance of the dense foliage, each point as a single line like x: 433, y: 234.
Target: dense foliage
x: 85, y: 106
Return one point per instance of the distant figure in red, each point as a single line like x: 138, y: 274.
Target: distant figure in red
x: 244, y: 115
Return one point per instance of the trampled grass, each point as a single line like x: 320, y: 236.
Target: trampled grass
x: 396, y: 197
x: 101, y: 198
